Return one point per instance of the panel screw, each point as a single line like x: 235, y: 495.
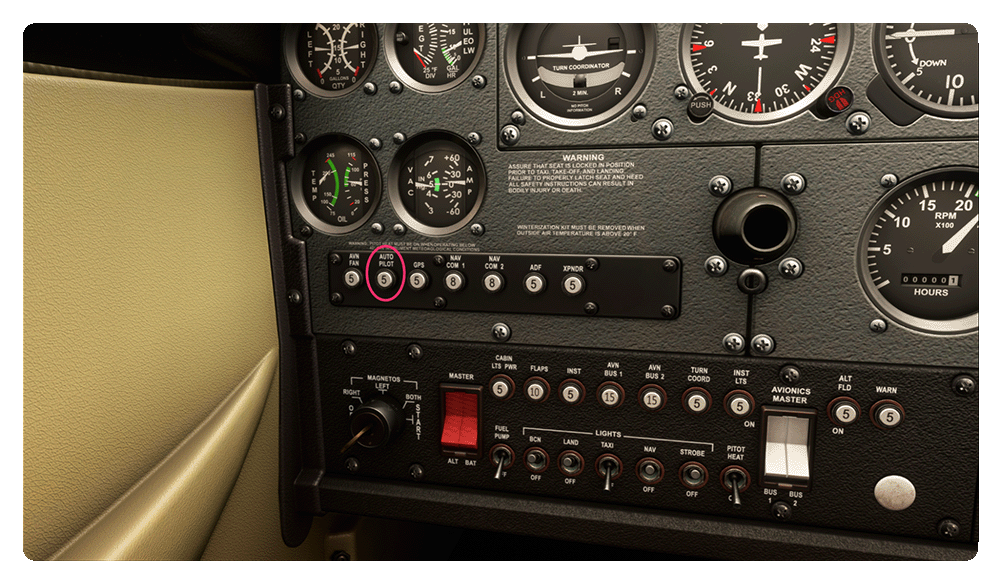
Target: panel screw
x: 335, y: 259
x: 949, y: 528
x: 474, y: 138
x: 370, y: 88
x: 592, y: 264
x: 294, y: 297
x: 395, y: 87
x: 440, y: 303
x: 501, y: 332
x: 590, y: 308
x: 398, y: 138
x: 336, y: 298
x: 277, y: 112
x: 375, y: 143
x: 416, y: 471
x: 790, y: 268
x: 510, y: 135
x: 377, y: 228
x: 681, y: 92
x: 720, y: 186
x: 477, y: 229
x: 398, y: 229
x: 793, y: 183
x: 299, y: 95
x: 351, y: 465
x: 305, y: 231
x: 733, y: 343
x: 662, y: 129
x: 300, y: 138
x: 639, y: 112
x: 789, y: 375
x: 781, y: 510
x: 888, y: 180
x: 438, y: 260
x: 716, y: 266
x: 414, y: 351
x: 859, y: 123
x: 340, y: 555
x: 668, y: 311
x: 762, y: 344
x: 670, y: 265
x: 877, y: 325
x: 350, y: 348
x: 964, y: 385
x: 479, y: 81
x: 518, y: 117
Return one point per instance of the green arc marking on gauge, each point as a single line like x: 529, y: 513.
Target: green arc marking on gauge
x: 447, y: 58
x: 347, y: 173
x: 336, y: 181
x: 437, y: 184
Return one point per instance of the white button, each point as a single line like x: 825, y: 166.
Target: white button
x: 739, y: 405
x: 352, y: 278
x: 889, y: 416
x: 500, y: 388
x: 385, y: 278
x: 493, y: 282
x: 535, y: 391
x: 573, y: 284
x: 454, y: 280
x: 845, y: 413
x: 418, y: 280
x: 534, y: 283
x: 571, y: 393
x: 895, y: 493
x: 652, y: 399
x: 697, y: 402
x: 610, y: 396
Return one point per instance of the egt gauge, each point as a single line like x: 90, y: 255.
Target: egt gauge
x: 933, y: 67
x: 434, y: 57
x: 918, y: 253
x: 576, y: 76
x: 762, y: 73
x: 331, y: 59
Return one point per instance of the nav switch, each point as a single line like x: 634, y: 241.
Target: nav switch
x: 788, y: 440
x: 460, y: 420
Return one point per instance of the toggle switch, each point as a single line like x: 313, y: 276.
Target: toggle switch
x: 788, y: 441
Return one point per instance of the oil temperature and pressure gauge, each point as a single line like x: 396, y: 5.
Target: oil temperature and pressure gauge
x: 917, y: 256
x: 437, y: 183
x: 335, y: 184
x: 933, y: 67
x: 330, y: 60
x: 434, y: 57
x: 762, y: 73
x: 577, y: 76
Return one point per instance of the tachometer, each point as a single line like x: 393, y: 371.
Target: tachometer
x: 335, y: 184
x: 434, y: 57
x: 761, y: 73
x: 917, y: 257
x: 330, y: 60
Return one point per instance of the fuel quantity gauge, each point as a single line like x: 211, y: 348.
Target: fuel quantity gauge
x: 330, y: 60
x: 335, y: 184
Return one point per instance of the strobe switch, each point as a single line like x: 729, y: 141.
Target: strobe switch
x: 788, y: 441
x: 461, y: 409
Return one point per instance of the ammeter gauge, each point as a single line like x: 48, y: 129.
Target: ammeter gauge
x: 918, y: 253
x: 434, y: 57
x: 335, y: 184
x: 330, y: 60
x: 933, y: 67
x: 762, y: 73
x: 579, y: 75
x: 437, y: 183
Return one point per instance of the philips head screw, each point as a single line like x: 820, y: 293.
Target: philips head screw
x: 716, y: 266
x: 518, y: 117
x: 889, y: 180
x: 277, y: 112
x: 510, y: 135
x: 479, y: 81
x: 299, y: 95
x: 477, y: 229
x: 639, y: 112
x: 761, y: 344
x: 668, y: 311
x: 474, y: 138
x: 681, y: 92
x: 877, y: 325
x: 720, y: 185
x: 790, y: 268
x: 670, y: 265
x: 949, y: 528
x: 662, y: 129
x: 790, y: 375
x: 294, y: 297
x: 964, y: 385
x: 352, y: 465
x: 350, y: 348
x: 414, y: 351
x: 793, y: 183
x: 501, y: 332
x: 859, y: 123
x: 733, y: 343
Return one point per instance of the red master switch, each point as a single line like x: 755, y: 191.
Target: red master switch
x: 460, y: 423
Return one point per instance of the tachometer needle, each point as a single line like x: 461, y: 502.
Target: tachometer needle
x: 957, y: 238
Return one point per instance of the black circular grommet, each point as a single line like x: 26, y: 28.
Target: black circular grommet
x: 752, y: 281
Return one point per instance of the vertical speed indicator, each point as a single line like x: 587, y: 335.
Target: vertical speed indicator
x: 918, y: 257
x: 762, y: 73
